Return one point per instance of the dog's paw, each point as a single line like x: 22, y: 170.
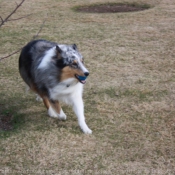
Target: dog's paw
x: 86, y: 130
x: 52, y: 113
x: 38, y: 98
x: 62, y: 115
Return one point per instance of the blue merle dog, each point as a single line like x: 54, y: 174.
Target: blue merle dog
x: 55, y: 72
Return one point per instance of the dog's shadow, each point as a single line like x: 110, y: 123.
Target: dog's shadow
x: 25, y: 112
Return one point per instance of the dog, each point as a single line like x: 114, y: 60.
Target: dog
x: 56, y: 72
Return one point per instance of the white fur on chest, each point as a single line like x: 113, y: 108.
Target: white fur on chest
x: 67, y: 90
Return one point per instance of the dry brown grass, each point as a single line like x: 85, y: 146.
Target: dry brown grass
x: 129, y: 97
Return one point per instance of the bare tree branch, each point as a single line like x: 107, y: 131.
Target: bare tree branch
x: 34, y: 37
x: 39, y: 31
x: 3, y: 21
x: 20, y: 17
x: 10, y: 54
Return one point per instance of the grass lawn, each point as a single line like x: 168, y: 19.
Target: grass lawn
x: 129, y: 96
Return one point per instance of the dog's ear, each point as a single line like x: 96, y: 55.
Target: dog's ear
x: 58, y: 51
x: 74, y: 46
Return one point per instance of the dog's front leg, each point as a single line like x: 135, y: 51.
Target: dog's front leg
x: 78, y: 108
x: 54, y: 108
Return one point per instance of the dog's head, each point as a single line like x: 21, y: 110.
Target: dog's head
x: 71, y: 62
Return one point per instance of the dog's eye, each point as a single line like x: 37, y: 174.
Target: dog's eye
x: 74, y: 65
x: 82, y: 60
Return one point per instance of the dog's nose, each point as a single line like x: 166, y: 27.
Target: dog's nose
x: 86, y: 74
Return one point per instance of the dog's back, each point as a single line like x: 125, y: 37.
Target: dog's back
x: 31, y: 56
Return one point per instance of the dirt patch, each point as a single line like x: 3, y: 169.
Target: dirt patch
x: 112, y: 8
x: 6, y: 122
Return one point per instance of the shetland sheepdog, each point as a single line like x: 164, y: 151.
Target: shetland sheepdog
x: 56, y: 72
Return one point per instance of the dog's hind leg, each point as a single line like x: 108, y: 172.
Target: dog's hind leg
x: 27, y: 89
x: 54, y: 109
x: 38, y: 98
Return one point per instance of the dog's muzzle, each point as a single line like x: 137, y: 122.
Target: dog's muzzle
x: 82, y: 79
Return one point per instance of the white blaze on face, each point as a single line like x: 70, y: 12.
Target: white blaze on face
x: 78, y: 58
x: 82, y: 67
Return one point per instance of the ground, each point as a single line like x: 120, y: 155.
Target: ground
x: 129, y: 95
x: 6, y: 122
x: 112, y: 7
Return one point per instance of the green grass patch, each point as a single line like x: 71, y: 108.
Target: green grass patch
x: 13, y: 124
x: 141, y: 95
